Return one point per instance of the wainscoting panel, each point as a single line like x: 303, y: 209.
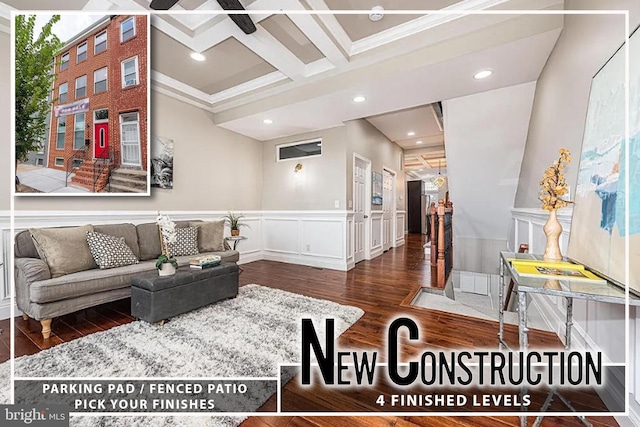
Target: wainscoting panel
x: 401, y: 217
x: 281, y: 235
x: 319, y: 237
x: 375, y: 240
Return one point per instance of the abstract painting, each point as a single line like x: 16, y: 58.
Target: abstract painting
x: 162, y: 162
x: 598, y: 228
x: 377, y: 189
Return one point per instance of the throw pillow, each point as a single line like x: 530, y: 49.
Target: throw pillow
x: 110, y: 251
x: 65, y: 249
x: 210, y: 235
x: 186, y: 242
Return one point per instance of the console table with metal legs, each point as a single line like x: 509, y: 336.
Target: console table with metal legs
x: 568, y: 289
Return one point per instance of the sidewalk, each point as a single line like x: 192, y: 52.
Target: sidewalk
x: 46, y: 180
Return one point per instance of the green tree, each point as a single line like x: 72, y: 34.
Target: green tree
x: 35, y: 74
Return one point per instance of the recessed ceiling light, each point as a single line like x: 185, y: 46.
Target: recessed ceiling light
x: 267, y: 121
x: 418, y: 142
x: 197, y: 56
x: 377, y: 13
x: 483, y: 74
x: 411, y: 133
x: 359, y: 98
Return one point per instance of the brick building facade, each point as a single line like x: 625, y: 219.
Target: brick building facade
x: 99, y: 121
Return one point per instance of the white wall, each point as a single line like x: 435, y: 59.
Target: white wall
x: 320, y: 182
x: 213, y: 168
x: 562, y: 94
x: 364, y: 139
x: 485, y: 137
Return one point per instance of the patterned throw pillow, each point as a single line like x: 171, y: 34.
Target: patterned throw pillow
x: 110, y: 251
x: 186, y: 242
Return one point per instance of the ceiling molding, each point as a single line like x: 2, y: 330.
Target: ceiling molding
x: 5, y: 11
x: 318, y: 67
x: 99, y: 5
x: 179, y: 97
x: 160, y: 24
x: 5, y: 29
x: 249, y: 86
x: 418, y: 25
x: 178, y: 85
x: 128, y: 5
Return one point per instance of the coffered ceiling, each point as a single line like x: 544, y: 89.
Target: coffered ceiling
x: 303, y: 66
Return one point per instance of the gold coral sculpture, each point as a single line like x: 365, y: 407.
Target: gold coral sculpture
x: 554, y: 185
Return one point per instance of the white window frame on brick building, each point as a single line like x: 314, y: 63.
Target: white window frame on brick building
x: 82, y: 80
x: 61, y: 132
x: 96, y: 81
x: 126, y: 78
x: 78, y: 130
x: 82, y: 50
x: 64, y: 63
x: 99, y: 43
x: 132, y: 31
x: 64, y: 86
x: 130, y: 145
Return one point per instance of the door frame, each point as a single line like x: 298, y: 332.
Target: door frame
x: 394, y: 204
x: 367, y: 203
x: 120, y: 123
x: 93, y: 126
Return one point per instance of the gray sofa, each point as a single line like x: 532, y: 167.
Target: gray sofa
x: 42, y: 297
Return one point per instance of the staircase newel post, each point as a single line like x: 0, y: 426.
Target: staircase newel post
x: 441, y: 245
x: 432, y: 223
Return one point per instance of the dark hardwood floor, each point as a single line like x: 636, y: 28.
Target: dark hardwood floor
x: 383, y: 288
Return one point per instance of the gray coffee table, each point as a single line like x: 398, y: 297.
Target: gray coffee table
x: 156, y: 298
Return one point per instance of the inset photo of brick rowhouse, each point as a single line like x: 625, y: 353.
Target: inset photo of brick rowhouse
x: 88, y: 134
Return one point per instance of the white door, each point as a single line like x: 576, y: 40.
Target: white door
x: 130, y: 139
x: 387, y: 209
x: 359, y: 208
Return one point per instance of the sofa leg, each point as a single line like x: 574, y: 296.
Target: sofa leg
x: 46, y: 328
x: 25, y: 317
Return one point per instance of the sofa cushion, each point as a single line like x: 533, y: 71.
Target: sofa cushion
x: 65, y: 249
x: 186, y: 242
x: 24, y: 246
x: 149, y: 241
x: 210, y: 235
x: 128, y: 231
x: 110, y: 251
x: 87, y: 282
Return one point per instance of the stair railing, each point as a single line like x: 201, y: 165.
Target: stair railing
x: 78, y: 154
x: 105, y: 162
x: 441, y: 223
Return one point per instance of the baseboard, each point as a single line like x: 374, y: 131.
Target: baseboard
x: 251, y: 256
x: 333, y: 264
x: 399, y: 242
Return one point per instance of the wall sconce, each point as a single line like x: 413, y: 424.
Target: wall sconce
x: 298, y: 168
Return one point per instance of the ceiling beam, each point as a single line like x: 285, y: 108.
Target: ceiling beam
x: 426, y: 151
x: 314, y: 32
x: 332, y: 25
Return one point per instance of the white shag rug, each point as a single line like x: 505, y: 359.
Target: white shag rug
x: 243, y: 337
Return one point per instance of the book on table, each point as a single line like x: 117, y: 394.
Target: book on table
x: 205, y: 259
x: 205, y: 265
x: 555, y: 270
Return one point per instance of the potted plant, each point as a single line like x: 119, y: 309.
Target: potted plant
x: 166, y: 264
x: 233, y: 220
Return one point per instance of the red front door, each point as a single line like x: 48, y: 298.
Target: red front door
x: 101, y: 140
